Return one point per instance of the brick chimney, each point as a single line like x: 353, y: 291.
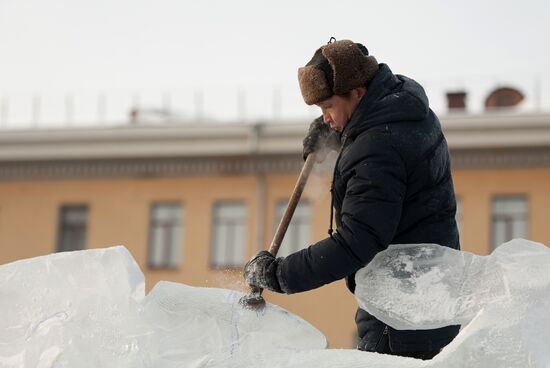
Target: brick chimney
x: 456, y: 101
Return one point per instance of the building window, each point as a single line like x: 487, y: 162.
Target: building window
x: 509, y: 219
x: 298, y: 234
x: 73, y: 221
x: 229, y: 235
x: 165, y: 235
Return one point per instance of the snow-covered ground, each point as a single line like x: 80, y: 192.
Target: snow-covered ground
x: 89, y: 309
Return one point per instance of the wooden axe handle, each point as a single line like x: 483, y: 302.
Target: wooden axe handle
x: 292, y: 203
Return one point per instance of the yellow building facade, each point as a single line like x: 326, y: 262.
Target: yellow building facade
x: 202, y: 189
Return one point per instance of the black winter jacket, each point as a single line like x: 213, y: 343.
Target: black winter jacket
x: 392, y: 185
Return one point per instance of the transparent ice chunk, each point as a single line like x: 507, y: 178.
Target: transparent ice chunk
x: 501, y: 300
x: 88, y: 309
x: 424, y: 286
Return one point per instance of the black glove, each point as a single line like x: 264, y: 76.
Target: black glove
x: 261, y: 271
x: 320, y: 138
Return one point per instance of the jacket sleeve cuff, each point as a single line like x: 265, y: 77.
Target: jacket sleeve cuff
x: 280, y: 279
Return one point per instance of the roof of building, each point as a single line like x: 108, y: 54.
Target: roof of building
x: 500, y: 138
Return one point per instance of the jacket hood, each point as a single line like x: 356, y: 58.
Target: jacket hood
x: 389, y: 98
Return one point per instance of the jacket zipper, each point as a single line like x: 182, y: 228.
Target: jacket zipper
x: 330, y: 227
x: 384, y: 333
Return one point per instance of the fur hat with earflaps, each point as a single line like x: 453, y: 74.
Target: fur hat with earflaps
x: 336, y: 69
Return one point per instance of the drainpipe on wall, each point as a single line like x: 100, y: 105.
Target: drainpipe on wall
x: 261, y: 199
x: 261, y: 187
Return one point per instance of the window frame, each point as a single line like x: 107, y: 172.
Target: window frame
x: 179, y: 225
x: 495, y: 218
x: 63, y: 226
x: 281, y: 204
x: 213, y: 230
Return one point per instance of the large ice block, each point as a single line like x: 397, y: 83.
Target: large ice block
x: 422, y: 286
x: 88, y: 309
x: 193, y: 325
x: 68, y: 308
x: 502, y: 300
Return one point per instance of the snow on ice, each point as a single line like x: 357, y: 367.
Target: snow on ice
x: 89, y: 309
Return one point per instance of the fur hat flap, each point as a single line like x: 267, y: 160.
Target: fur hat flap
x: 313, y: 85
x: 351, y: 67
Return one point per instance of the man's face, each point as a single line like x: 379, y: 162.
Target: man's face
x: 337, y: 110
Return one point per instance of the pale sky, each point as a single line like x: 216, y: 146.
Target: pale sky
x: 122, y: 47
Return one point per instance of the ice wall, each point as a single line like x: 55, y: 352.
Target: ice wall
x: 208, y: 327
x: 65, y: 308
x: 88, y: 309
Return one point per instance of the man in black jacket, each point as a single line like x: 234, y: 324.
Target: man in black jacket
x: 391, y: 185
